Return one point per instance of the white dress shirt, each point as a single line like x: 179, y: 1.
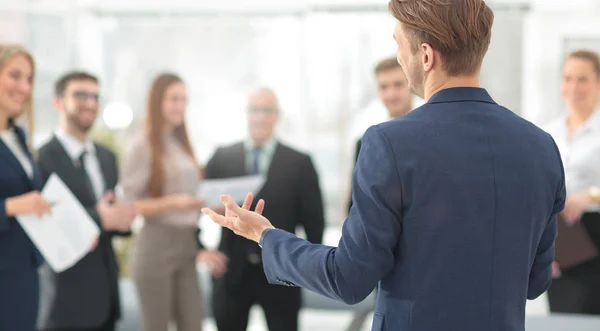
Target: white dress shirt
x: 11, y: 140
x: 580, y: 153
x: 75, y: 148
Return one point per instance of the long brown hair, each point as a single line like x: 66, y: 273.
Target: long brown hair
x: 7, y: 52
x: 155, y: 131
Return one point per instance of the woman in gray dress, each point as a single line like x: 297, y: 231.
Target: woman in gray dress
x: 161, y: 174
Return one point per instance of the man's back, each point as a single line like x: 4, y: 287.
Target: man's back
x: 479, y: 187
x: 454, y: 204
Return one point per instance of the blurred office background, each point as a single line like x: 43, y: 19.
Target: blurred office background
x: 318, y: 56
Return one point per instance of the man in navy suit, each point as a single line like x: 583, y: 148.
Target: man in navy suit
x: 455, y: 203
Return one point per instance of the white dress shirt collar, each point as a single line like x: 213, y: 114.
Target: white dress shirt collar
x: 74, y: 146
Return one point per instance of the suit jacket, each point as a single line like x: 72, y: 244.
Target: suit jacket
x: 19, y: 258
x: 356, y: 152
x: 86, y: 295
x: 454, y: 215
x: 291, y: 189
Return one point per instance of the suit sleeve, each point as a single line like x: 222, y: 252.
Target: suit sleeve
x: 113, y: 163
x: 311, y: 204
x: 365, y: 253
x: 356, y: 152
x: 4, y: 219
x: 210, y: 171
x: 540, y: 275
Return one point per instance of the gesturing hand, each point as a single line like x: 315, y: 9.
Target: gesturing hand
x: 185, y: 201
x: 575, y: 206
x: 214, y: 260
x: 556, y: 273
x: 115, y: 216
x: 28, y: 203
x: 240, y: 220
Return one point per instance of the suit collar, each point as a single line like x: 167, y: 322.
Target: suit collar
x: 35, y: 181
x: 73, y: 146
x: 461, y: 94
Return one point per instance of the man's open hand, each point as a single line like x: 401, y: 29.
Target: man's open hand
x: 241, y: 220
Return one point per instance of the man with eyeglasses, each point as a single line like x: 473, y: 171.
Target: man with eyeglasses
x: 291, y: 181
x: 85, y: 296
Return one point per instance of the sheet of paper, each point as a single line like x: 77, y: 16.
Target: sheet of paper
x: 211, y: 189
x: 65, y: 235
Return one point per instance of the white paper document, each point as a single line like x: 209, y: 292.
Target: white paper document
x: 211, y: 189
x: 65, y: 235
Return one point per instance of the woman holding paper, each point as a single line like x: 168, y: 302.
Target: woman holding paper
x: 161, y: 174
x: 19, y: 193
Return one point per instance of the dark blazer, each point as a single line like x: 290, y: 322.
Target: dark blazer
x: 356, y: 153
x: 454, y: 214
x: 19, y: 258
x: 86, y: 295
x: 292, y: 193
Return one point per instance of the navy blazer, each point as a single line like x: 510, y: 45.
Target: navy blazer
x: 19, y: 258
x: 454, y: 214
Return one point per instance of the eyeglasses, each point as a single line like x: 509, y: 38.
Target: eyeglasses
x: 85, y: 96
x: 264, y: 110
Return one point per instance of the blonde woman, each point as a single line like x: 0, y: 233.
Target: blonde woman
x: 20, y: 183
x: 576, y: 287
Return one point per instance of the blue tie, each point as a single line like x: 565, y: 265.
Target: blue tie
x: 255, y: 158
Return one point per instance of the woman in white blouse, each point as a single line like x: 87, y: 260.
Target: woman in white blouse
x: 577, y: 289
x: 19, y: 194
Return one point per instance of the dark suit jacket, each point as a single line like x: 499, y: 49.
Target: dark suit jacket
x: 86, y: 295
x: 292, y: 193
x: 19, y: 258
x: 356, y: 152
x: 454, y: 214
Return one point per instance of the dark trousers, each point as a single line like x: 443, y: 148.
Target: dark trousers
x: 577, y: 291
x: 231, y: 307
x: 105, y: 327
x: 110, y: 325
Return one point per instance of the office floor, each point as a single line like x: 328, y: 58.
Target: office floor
x: 310, y: 320
x: 313, y: 320
x: 320, y: 320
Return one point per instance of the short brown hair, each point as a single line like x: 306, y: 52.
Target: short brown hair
x: 63, y: 81
x: 387, y: 64
x: 460, y: 30
x: 587, y: 55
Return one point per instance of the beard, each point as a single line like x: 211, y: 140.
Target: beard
x: 77, y: 124
x: 416, y: 79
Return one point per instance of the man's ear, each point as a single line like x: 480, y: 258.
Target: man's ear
x: 57, y: 103
x: 429, y: 57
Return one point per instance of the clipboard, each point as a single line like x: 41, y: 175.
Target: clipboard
x: 574, y: 245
